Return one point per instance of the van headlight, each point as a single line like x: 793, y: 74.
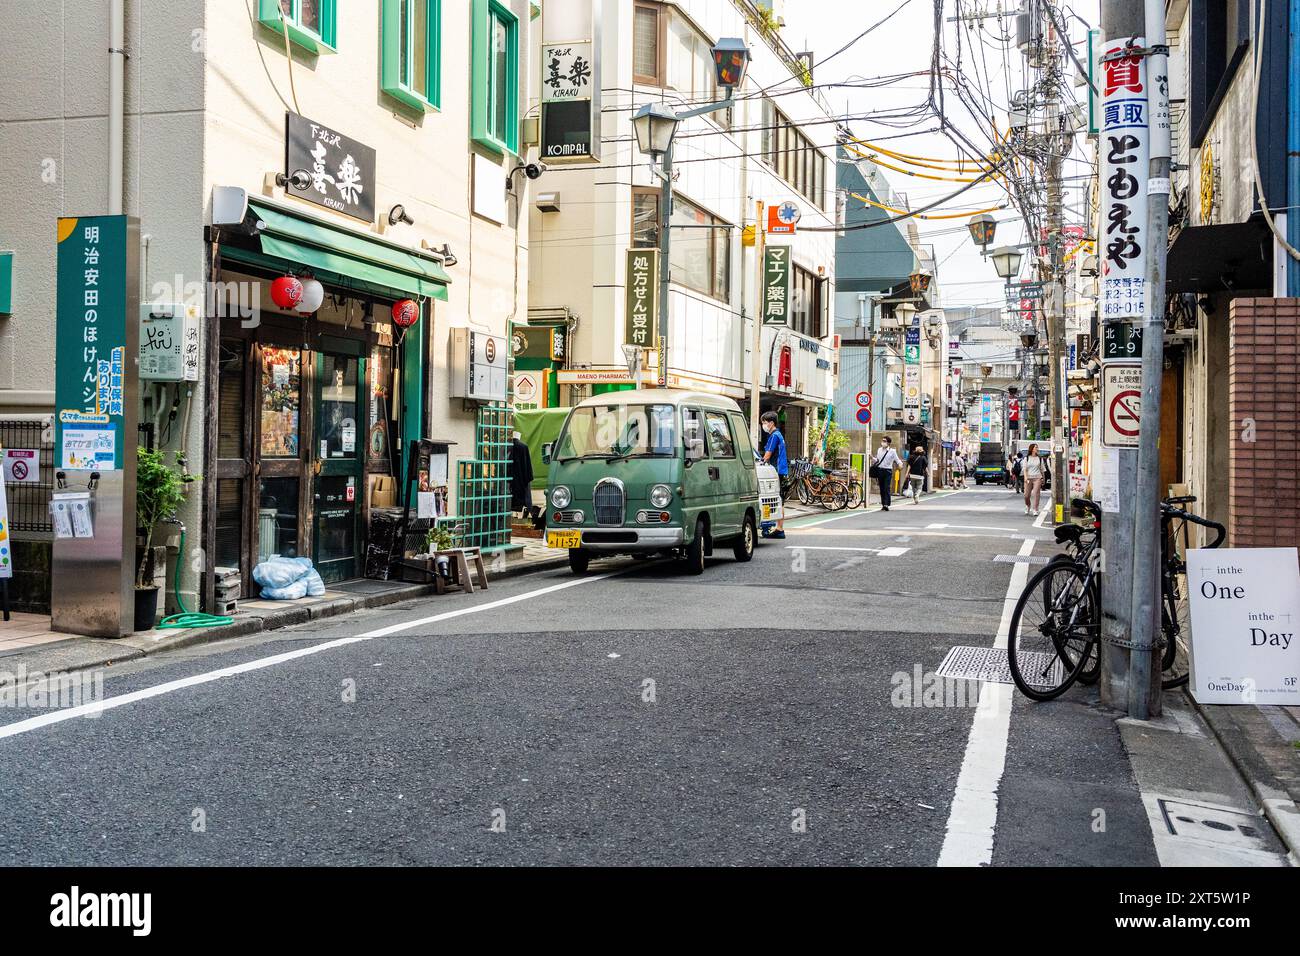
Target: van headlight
x: 561, y: 496
x: 660, y: 495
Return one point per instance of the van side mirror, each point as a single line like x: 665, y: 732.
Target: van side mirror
x: 547, y: 450
x: 694, y: 450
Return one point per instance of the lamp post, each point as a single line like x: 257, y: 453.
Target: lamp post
x: 655, y: 125
x: 982, y: 230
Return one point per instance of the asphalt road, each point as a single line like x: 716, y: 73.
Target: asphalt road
x: 758, y: 714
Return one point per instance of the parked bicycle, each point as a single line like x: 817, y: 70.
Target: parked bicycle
x: 819, y: 487
x: 1055, y: 631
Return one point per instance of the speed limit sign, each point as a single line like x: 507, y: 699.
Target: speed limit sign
x: 864, y: 399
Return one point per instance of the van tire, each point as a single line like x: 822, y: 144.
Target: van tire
x: 744, y: 547
x: 579, y: 561
x: 694, y: 553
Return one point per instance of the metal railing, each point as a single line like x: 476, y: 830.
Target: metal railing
x: 28, y: 486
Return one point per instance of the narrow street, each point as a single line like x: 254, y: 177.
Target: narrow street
x: 755, y: 715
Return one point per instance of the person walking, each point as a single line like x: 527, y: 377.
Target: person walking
x: 917, y: 465
x: 883, y: 465
x: 959, y: 470
x: 1033, y: 470
x: 774, y: 454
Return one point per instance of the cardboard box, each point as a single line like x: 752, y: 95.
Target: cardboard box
x: 383, y: 491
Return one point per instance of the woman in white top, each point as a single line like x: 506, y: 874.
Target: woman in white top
x: 887, y: 460
x: 1033, y: 470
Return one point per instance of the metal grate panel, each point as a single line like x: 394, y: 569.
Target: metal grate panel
x: 482, y: 517
x: 990, y: 664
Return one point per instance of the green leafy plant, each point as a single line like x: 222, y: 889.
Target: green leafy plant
x: 438, y: 539
x: 159, y: 491
x: 837, y: 439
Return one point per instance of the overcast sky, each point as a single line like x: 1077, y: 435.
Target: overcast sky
x: 904, y: 44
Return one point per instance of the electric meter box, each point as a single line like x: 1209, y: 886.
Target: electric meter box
x: 478, y: 365
x: 169, y: 342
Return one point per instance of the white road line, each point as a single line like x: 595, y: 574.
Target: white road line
x: 95, y: 708
x: 1042, y: 517
x: 974, y: 815
x: 880, y: 552
x: 970, y: 527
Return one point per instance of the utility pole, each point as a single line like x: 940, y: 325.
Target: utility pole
x: 1144, y: 673
x: 1058, y: 145
x: 665, y: 250
x: 1116, y: 468
x: 756, y: 354
x: 871, y: 391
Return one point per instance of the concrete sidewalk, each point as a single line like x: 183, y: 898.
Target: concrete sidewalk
x: 28, y: 646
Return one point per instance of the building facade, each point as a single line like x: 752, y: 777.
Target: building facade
x: 774, y: 146
x: 368, y: 149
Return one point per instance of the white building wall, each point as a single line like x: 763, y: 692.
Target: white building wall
x: 579, y: 251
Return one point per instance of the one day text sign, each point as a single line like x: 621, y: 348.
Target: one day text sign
x: 1245, y: 605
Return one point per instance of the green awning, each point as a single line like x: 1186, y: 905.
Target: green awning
x: 329, y: 248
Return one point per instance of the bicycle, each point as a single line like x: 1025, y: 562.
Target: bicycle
x: 1049, y: 650
x: 823, y: 489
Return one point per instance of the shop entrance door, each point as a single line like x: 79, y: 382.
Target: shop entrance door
x: 338, y: 459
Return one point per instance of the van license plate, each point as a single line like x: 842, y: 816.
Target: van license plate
x: 564, y: 539
x: 767, y: 512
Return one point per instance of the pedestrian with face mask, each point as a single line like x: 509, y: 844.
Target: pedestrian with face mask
x: 883, y: 464
x: 916, y: 469
x: 774, y: 455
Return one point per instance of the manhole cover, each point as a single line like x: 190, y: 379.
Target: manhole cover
x: 990, y: 664
x: 1213, y: 824
x: 1022, y: 558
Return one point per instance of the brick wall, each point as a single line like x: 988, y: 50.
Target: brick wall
x: 1264, y: 389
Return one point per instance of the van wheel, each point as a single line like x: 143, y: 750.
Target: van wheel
x: 579, y: 561
x: 694, y: 555
x: 744, y: 549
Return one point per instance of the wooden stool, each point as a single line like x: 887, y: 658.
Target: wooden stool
x: 460, y: 576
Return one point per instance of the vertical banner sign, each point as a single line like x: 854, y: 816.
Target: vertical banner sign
x: 776, y: 285
x: 1125, y: 150
x: 912, y: 377
x: 642, y: 297
x: 986, y: 418
x: 6, y: 546
x: 90, y: 344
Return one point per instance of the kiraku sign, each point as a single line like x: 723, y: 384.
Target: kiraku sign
x: 1245, y: 606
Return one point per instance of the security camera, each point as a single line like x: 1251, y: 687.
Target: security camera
x: 534, y: 170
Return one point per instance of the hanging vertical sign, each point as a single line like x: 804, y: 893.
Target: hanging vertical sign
x: 642, y: 302
x: 90, y: 344
x: 1125, y: 150
x: 776, y: 285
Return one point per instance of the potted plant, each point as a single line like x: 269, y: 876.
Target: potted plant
x: 439, y: 539
x: 159, y: 491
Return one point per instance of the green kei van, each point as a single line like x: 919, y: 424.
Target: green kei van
x: 652, y: 471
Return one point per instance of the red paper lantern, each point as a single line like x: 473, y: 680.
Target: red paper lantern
x: 286, y: 292
x: 405, y: 313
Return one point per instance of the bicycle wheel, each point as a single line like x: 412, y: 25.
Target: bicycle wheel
x: 1053, y: 631
x: 855, y: 494
x: 805, y: 491
x: 1175, y: 625
x: 836, y: 495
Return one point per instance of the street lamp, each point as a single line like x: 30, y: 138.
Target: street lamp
x: 1006, y: 261
x: 982, y: 229
x: 655, y: 125
x: 919, y: 283
x: 903, y: 313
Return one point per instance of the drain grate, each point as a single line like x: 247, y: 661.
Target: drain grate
x: 1215, y: 824
x: 1022, y: 558
x: 990, y: 664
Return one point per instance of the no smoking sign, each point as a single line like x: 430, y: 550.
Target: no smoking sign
x: 1121, y: 398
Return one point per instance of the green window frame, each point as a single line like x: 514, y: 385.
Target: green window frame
x: 495, y: 105
x: 321, y: 38
x: 401, y: 57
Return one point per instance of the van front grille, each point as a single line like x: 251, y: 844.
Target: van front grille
x: 608, y: 499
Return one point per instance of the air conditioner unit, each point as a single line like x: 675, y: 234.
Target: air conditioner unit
x: 478, y: 365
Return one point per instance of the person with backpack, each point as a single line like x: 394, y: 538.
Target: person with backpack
x: 917, y: 465
x: 883, y: 464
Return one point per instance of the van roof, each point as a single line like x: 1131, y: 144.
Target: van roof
x: 661, y: 396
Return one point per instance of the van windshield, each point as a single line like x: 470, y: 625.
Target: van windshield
x: 619, y: 431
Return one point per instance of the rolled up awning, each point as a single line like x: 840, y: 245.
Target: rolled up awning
x: 334, y: 250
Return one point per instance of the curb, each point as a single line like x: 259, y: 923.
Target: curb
x: 1280, y: 810
x: 96, y: 652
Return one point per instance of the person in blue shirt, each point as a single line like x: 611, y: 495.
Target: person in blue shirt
x: 774, y: 455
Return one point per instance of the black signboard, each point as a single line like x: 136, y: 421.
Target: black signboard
x: 342, y: 170
x: 566, y: 130
x: 1121, y: 341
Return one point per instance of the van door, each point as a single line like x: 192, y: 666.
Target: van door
x: 749, y: 473
x: 697, y: 478
x: 725, y: 470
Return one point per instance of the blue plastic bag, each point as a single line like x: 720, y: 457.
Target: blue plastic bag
x: 290, y: 593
